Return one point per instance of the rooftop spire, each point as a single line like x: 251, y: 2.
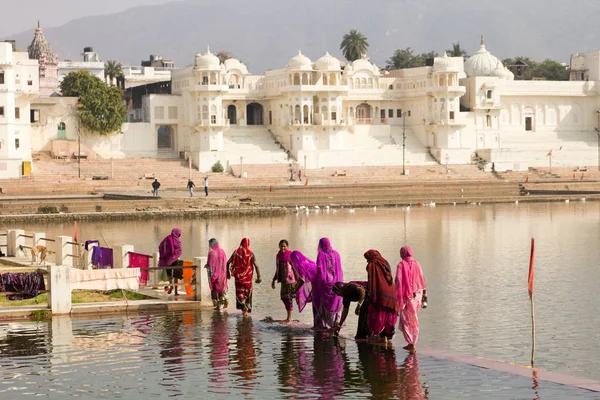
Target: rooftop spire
x: 482, y: 41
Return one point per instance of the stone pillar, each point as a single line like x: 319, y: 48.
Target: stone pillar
x: 63, y: 250
x: 59, y: 289
x: 202, y: 289
x: 121, y: 256
x: 37, y: 239
x: 14, y: 239
x: 154, y: 279
x: 89, y: 254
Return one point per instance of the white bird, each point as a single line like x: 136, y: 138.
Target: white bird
x: 516, y: 201
x: 582, y: 199
x: 333, y: 211
x: 567, y: 200
x: 375, y: 208
x: 307, y: 211
x: 317, y: 207
x: 453, y: 203
x: 302, y: 207
x: 351, y: 210
x: 327, y: 207
x: 297, y: 208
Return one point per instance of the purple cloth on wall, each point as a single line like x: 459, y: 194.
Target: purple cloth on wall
x: 88, y: 242
x: 102, y: 257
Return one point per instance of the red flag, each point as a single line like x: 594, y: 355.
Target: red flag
x: 75, y: 233
x: 306, y: 182
x: 581, y: 176
x: 527, y: 179
x: 270, y: 188
x: 549, y: 153
x: 530, y: 279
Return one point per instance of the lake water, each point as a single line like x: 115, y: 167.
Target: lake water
x: 475, y: 260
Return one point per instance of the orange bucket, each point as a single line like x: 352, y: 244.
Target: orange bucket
x: 188, y: 273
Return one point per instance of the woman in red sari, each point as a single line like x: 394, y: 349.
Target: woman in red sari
x: 241, y: 266
x: 383, y: 305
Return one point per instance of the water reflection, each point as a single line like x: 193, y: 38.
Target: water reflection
x: 244, y: 355
x: 171, y: 352
x: 219, y: 350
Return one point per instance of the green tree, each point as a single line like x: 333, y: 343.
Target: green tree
x: 223, y: 55
x: 100, y: 106
x: 354, y: 45
x: 112, y: 70
x: 551, y: 70
x: 405, y: 58
x: 456, y: 51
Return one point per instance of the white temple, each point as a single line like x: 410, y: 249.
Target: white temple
x: 323, y: 113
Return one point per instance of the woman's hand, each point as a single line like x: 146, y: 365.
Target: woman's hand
x: 258, y: 280
x: 357, y: 310
x: 273, y: 284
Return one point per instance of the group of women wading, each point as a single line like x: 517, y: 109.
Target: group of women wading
x: 382, y: 300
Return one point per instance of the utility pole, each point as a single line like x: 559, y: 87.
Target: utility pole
x: 404, y: 143
x: 79, y: 144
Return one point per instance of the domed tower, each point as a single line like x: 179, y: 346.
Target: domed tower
x: 40, y: 50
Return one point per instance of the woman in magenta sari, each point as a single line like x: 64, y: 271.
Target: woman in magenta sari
x: 216, y: 266
x: 316, y: 284
x: 169, y: 251
x: 383, y: 306
x: 411, y: 292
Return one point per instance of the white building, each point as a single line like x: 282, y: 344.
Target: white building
x: 19, y: 85
x: 91, y: 63
x: 137, y: 76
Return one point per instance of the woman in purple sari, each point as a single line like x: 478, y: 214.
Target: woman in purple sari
x: 169, y: 251
x: 316, y: 284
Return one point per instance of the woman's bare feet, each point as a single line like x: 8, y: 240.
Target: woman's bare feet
x: 226, y: 303
x: 409, y: 347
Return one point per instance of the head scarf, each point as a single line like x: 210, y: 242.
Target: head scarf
x: 217, y: 262
x: 381, y: 288
x: 242, y: 262
x: 329, y: 271
x: 306, y: 269
x: 170, y: 248
x: 409, y: 277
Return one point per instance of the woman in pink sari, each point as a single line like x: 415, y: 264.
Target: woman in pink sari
x: 169, y: 252
x: 411, y: 293
x: 217, y: 274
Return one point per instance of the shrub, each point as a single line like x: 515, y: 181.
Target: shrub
x: 218, y: 167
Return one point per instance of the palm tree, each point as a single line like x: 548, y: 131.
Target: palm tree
x: 354, y: 45
x: 456, y: 51
x: 112, y: 70
x: 223, y: 55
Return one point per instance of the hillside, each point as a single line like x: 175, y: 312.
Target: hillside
x: 265, y: 34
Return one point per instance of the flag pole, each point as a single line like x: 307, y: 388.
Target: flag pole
x: 530, y: 288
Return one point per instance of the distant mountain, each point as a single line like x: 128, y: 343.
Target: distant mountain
x: 266, y: 33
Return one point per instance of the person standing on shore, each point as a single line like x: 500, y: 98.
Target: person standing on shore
x: 412, y: 295
x: 206, y: 186
x: 169, y: 252
x: 191, y: 186
x: 285, y: 274
x: 155, y: 186
x: 216, y: 267
x: 241, y: 266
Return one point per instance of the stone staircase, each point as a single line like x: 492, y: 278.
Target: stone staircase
x: 255, y: 144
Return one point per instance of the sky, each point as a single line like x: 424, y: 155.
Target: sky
x: 24, y: 14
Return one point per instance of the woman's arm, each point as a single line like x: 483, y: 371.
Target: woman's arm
x: 229, y: 266
x: 343, y: 318
x: 256, y: 267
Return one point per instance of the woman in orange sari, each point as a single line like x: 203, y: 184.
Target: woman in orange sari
x: 241, y: 266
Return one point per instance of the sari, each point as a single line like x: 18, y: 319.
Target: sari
x: 242, y: 269
x: 326, y: 304
x: 409, y: 291
x: 383, y: 306
x: 217, y: 273
x: 169, y: 251
x: 286, y: 276
x: 306, y: 269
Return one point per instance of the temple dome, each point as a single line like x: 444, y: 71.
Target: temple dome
x: 482, y: 63
x: 207, y: 61
x: 442, y: 63
x: 40, y: 49
x: 299, y: 61
x: 232, y: 63
x: 327, y: 62
x: 509, y: 75
x: 363, y: 64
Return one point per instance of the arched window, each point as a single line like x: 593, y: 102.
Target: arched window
x: 391, y: 87
x: 297, y: 114
x: 489, y: 94
x: 306, y: 114
x: 304, y: 79
x: 332, y: 79
x: 213, y: 114
x: 370, y: 83
x: 324, y: 79
x: 324, y: 112
x: 61, y: 131
x: 204, y: 112
x: 297, y: 79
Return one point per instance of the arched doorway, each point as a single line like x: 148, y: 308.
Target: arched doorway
x: 254, y: 111
x: 165, y: 137
x: 61, y: 132
x: 363, y: 112
x: 232, y: 114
